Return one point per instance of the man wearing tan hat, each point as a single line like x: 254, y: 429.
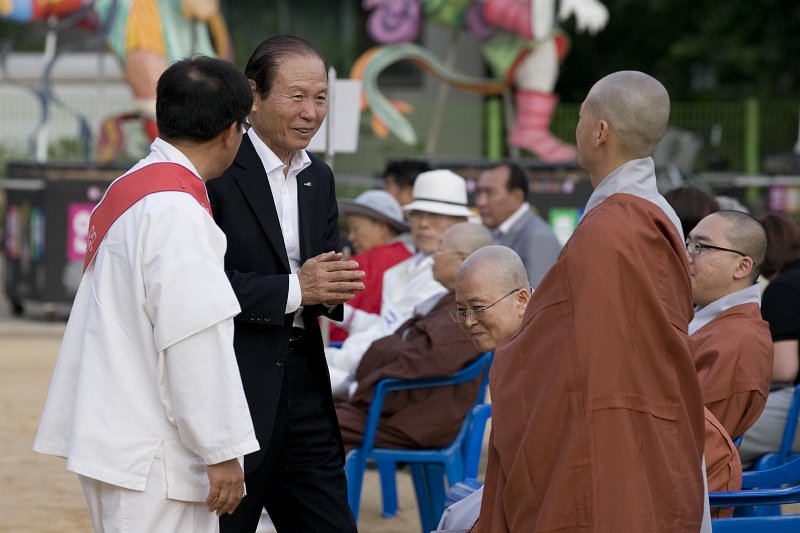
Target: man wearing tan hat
x: 380, y: 240
x: 439, y: 201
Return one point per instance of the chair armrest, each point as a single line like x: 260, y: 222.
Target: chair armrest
x: 755, y: 497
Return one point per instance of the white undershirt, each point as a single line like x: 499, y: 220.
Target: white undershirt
x: 284, y: 194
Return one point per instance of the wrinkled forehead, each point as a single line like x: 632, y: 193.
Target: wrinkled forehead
x: 476, y: 287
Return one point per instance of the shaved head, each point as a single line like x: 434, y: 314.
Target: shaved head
x: 466, y: 237
x: 500, y: 265
x: 636, y: 107
x: 747, y: 235
x: 492, y: 287
x: 457, y: 242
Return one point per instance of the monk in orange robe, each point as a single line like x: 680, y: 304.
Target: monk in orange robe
x: 732, y: 345
x: 597, y: 411
x: 723, y: 465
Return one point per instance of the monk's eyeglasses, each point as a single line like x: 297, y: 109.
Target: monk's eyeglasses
x: 696, y: 248
x: 460, y: 315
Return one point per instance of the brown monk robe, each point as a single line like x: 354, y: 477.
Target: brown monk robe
x: 733, y: 356
x: 424, y: 346
x: 723, y: 466
x: 597, y: 412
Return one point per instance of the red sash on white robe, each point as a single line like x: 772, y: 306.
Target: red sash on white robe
x: 129, y: 189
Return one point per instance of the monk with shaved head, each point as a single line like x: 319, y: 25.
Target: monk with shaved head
x: 597, y: 411
x: 732, y: 345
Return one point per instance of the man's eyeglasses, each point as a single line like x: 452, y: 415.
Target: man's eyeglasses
x: 696, y: 248
x: 244, y: 124
x: 460, y: 315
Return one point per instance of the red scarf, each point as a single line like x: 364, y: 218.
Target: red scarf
x: 131, y: 188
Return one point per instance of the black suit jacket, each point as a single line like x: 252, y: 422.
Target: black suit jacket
x: 258, y: 268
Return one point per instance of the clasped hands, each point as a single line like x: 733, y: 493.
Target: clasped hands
x: 328, y: 279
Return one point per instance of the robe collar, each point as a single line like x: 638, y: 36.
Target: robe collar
x: 751, y: 294
x: 636, y: 177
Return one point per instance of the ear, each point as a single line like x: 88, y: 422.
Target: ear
x: 232, y: 135
x: 256, y: 95
x: 518, y: 195
x: 523, y: 298
x: 603, y: 133
x: 744, y: 269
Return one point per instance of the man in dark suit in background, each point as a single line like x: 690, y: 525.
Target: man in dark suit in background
x: 277, y: 207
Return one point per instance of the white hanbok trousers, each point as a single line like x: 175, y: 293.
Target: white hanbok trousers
x: 115, y: 509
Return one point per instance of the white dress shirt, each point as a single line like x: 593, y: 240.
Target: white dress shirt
x: 284, y: 194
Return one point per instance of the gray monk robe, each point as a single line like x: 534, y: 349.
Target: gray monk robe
x: 424, y: 346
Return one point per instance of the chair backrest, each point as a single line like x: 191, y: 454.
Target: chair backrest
x: 471, y: 371
x: 758, y: 524
x: 790, y: 429
x: 474, y: 442
x: 786, y: 473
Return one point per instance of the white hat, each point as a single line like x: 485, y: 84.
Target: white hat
x: 378, y: 205
x: 440, y: 191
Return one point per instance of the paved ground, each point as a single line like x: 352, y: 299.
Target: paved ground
x: 37, y: 494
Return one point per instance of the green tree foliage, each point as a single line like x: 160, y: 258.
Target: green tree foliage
x: 701, y: 49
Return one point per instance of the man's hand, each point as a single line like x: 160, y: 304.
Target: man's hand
x: 227, y: 487
x: 327, y: 279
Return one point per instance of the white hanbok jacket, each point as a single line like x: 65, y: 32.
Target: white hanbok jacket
x: 147, y: 365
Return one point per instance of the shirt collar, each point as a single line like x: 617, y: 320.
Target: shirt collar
x: 636, y: 177
x: 508, y: 223
x: 751, y: 294
x: 161, y: 151
x: 300, y: 160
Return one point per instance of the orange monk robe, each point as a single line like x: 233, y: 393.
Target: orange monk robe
x: 723, y: 466
x: 733, y: 356
x: 597, y: 412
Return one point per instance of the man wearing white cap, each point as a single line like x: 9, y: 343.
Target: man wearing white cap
x: 439, y: 201
x: 380, y: 239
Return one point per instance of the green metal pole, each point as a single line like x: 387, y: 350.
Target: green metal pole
x: 752, y: 133
x: 494, y: 128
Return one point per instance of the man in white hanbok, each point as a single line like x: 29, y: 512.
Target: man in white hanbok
x: 146, y: 402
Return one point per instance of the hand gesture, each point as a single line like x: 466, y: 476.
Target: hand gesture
x: 227, y: 487
x: 328, y: 279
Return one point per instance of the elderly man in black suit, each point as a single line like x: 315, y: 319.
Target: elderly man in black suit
x: 277, y: 207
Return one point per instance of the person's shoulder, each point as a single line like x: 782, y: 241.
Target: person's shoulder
x: 737, y: 324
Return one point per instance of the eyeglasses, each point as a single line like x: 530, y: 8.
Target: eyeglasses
x: 460, y: 315
x: 696, y: 248
x: 244, y: 125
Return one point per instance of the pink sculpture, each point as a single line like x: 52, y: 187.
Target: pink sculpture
x: 520, y: 41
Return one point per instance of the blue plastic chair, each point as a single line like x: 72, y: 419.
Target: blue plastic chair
x: 428, y: 467
x: 387, y: 469
x: 784, y: 452
x: 770, y: 461
x: 761, y: 498
x: 758, y: 484
x: 470, y: 483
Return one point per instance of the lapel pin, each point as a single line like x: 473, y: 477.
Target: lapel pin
x: 307, y: 184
